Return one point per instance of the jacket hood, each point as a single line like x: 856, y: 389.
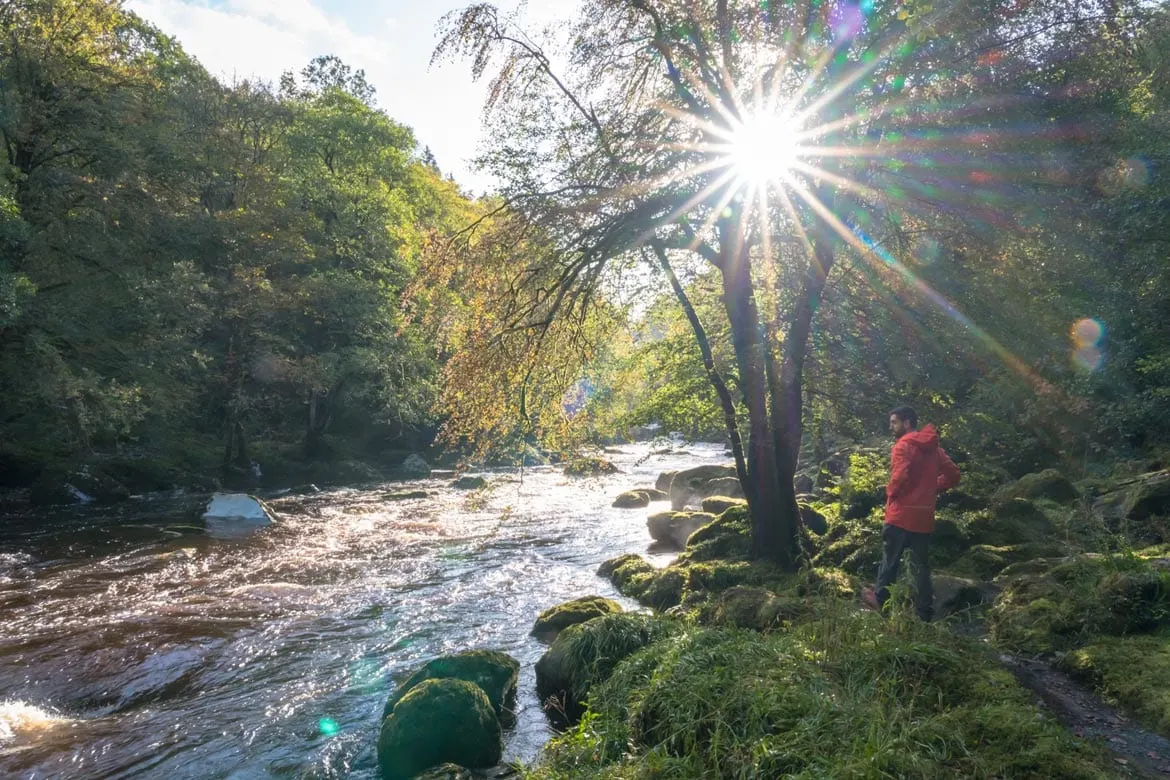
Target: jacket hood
x: 925, y: 438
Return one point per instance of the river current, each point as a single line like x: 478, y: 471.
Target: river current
x: 132, y: 644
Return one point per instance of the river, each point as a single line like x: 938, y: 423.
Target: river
x: 134, y: 645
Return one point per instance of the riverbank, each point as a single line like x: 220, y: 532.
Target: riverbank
x: 749, y: 671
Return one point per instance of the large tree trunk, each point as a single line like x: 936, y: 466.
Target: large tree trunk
x: 771, y: 499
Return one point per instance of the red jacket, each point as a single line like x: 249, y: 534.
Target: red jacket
x: 919, y: 470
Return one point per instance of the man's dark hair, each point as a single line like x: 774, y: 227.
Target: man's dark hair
x: 906, y: 414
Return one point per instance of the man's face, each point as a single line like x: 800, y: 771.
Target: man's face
x: 898, y: 426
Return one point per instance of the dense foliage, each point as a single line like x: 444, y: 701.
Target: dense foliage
x: 197, y: 273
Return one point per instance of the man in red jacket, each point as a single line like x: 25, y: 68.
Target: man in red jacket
x: 919, y: 471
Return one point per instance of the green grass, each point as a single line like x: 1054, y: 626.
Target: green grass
x: 841, y: 695
x: 1087, y: 596
x: 1132, y: 672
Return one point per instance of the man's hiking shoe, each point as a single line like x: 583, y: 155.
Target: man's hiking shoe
x: 869, y: 600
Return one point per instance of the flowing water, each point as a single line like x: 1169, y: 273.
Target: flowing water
x: 134, y: 645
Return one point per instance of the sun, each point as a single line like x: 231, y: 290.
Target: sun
x: 764, y: 148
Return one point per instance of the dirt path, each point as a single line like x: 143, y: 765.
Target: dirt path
x: 1143, y: 753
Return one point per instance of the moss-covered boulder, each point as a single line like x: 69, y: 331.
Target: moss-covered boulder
x: 1049, y: 484
x: 717, y: 505
x: 632, y: 499
x: 1139, y: 498
x: 436, y: 722
x: 985, y: 561
x: 1079, y: 598
x: 725, y: 486
x: 1133, y: 671
x: 1013, y: 521
x: 674, y: 528
x: 469, y: 483
x: 586, y: 654
x: 556, y: 619
x: 589, y: 467
x: 853, y: 547
x: 624, y: 568
x: 689, y: 486
x: 492, y: 672
x: 728, y: 536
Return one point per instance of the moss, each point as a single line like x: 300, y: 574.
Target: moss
x: 1014, y: 521
x: 1049, y: 484
x: 493, y: 672
x: 840, y: 695
x: 586, y: 654
x: 728, y: 536
x: 1077, y: 598
x: 857, y: 549
x: 439, y: 721
x: 1132, y: 672
x: 985, y: 561
x: 570, y: 613
x: 624, y: 568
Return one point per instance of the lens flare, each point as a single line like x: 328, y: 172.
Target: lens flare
x: 1087, y: 335
x: 328, y: 726
x: 764, y: 148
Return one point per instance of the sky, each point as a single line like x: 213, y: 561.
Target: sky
x: 392, y: 40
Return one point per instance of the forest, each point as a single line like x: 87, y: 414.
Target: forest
x: 744, y: 230
x: 198, y: 276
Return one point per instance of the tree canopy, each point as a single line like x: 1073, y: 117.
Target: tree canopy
x: 845, y: 168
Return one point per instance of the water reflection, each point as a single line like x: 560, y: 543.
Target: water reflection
x: 134, y: 646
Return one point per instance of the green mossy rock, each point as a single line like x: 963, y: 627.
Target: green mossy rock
x: 589, y: 467
x: 690, y: 486
x: 1013, y: 521
x: 1078, y: 598
x: 1049, y: 484
x: 439, y: 721
x: 985, y: 561
x: 556, y: 619
x: 1132, y: 671
x: 469, y: 483
x: 624, y: 568
x: 493, y: 672
x: 586, y: 654
x: 728, y: 536
x: 717, y: 505
x: 857, y: 549
x: 632, y: 499
x: 1140, y: 498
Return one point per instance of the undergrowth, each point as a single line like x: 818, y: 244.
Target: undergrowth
x: 843, y: 695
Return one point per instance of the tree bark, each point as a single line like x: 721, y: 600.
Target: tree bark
x: 772, y: 500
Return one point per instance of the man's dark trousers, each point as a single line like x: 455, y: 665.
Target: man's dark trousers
x: 896, y: 541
